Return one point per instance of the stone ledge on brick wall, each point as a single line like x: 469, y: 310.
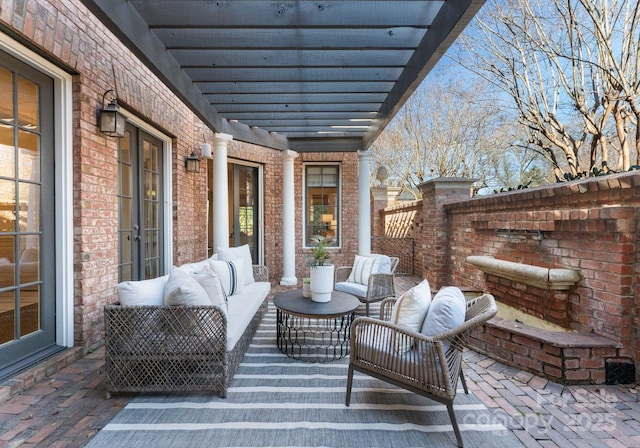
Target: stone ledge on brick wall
x: 561, y: 339
x: 545, y: 278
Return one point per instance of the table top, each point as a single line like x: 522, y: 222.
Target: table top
x: 293, y: 302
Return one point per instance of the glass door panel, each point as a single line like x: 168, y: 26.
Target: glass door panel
x: 27, y: 255
x: 140, y: 206
x: 243, y: 206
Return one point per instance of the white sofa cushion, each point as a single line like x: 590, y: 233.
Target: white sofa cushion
x: 242, y: 308
x: 212, y: 285
x: 142, y: 292
x: 244, y: 253
x: 356, y: 289
x: 183, y: 289
x: 364, y: 266
x: 194, y: 268
x: 229, y: 273
x: 198, y: 266
x: 447, y: 311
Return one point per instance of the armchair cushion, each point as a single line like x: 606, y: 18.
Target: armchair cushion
x: 363, y: 267
x: 447, y: 311
x: 356, y: 289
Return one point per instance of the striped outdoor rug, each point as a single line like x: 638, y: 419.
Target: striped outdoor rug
x: 275, y: 401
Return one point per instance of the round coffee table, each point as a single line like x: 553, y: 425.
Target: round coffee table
x: 312, y: 331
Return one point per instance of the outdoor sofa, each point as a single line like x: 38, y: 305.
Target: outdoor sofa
x: 158, y: 340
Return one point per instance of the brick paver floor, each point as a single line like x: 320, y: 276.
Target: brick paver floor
x: 66, y: 406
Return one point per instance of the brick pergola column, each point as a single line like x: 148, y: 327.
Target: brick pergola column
x: 433, y: 247
x: 220, y: 207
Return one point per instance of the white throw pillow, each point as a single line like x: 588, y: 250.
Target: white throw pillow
x: 411, y: 308
x: 212, y: 285
x: 362, y: 268
x: 447, y: 311
x: 228, y: 271
x: 243, y: 253
x: 194, y: 268
x: 183, y: 289
x: 143, y: 292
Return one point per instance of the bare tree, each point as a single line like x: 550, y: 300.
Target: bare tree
x: 444, y: 130
x: 568, y: 66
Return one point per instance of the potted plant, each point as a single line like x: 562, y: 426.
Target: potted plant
x: 306, y: 287
x: 321, y: 269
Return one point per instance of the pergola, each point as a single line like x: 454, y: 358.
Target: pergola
x: 305, y: 75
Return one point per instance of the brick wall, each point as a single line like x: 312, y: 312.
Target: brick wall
x: 66, y: 33
x: 590, y: 225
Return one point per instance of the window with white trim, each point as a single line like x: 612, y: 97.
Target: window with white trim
x: 322, y: 202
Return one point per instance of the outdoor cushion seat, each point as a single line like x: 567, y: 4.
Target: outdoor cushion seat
x: 161, y: 337
x: 370, y: 278
x: 433, y: 364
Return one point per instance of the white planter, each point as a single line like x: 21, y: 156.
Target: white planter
x: 306, y: 290
x: 321, y: 283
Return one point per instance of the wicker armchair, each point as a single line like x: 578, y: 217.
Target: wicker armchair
x: 431, y: 368
x: 379, y: 287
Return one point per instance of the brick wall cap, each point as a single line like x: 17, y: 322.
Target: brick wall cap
x: 561, y: 339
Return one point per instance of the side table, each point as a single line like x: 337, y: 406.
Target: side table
x: 311, y: 331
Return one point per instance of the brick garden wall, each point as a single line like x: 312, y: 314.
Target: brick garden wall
x: 590, y: 225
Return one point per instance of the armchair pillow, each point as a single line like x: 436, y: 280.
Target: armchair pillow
x: 243, y: 253
x: 447, y: 311
x: 410, y: 309
x: 363, y: 267
x: 409, y: 312
x: 229, y: 273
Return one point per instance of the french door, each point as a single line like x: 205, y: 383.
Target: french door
x: 27, y: 216
x: 244, y: 210
x: 141, y: 224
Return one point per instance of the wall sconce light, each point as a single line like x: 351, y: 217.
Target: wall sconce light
x: 192, y: 163
x: 111, y: 121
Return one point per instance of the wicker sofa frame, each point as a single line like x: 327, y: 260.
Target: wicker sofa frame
x: 433, y: 365
x: 173, y: 348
